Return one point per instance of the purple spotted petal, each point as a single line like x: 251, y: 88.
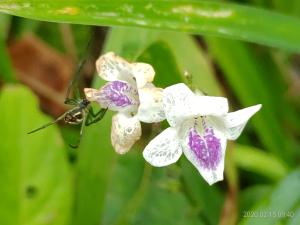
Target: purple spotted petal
x: 117, y: 95
x: 207, y: 148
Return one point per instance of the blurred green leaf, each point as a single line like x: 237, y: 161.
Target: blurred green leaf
x: 4, y: 25
x: 186, y: 52
x: 207, y: 199
x: 126, y: 189
x: 258, y: 161
x: 50, y: 33
x: 161, y: 57
x: 291, y: 7
x: 251, y: 195
x: 36, y: 180
x: 162, y: 206
x: 201, y: 17
x: 279, y: 205
x: 6, y: 71
x: 95, y: 160
x: 251, y: 82
x: 296, y: 217
x: 140, y: 194
x: 21, y: 26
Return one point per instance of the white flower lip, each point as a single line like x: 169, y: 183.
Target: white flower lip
x: 200, y: 127
x: 129, y: 92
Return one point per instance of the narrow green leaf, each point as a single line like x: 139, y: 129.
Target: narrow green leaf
x: 6, y: 71
x: 36, y: 180
x: 199, y: 17
x: 95, y: 160
x: 295, y: 220
x: 258, y: 161
x: 279, y: 205
x: 4, y: 25
x: 162, y: 206
x: 186, y: 52
x: 128, y: 184
x: 250, y: 82
x: 251, y: 195
x: 208, y: 200
x: 160, y: 56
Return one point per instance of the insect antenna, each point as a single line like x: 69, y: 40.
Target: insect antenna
x: 48, y: 124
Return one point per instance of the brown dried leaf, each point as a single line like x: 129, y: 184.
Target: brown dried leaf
x: 45, y: 70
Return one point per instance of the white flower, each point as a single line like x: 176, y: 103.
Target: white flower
x: 130, y: 93
x: 200, y: 127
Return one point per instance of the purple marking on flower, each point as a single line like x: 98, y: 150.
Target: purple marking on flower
x: 118, y: 93
x: 207, y: 149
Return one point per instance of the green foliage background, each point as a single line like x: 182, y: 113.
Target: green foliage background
x: 40, y: 185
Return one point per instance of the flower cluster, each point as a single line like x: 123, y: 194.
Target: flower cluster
x: 199, y: 125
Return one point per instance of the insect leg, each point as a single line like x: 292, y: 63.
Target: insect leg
x: 70, y: 101
x: 73, y: 88
x: 95, y: 117
x: 48, y: 124
x: 80, y: 134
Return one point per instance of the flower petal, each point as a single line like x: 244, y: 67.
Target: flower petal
x: 143, y: 73
x: 204, y: 146
x: 164, y: 149
x: 125, y: 132
x: 111, y: 67
x: 115, y: 95
x: 150, y: 109
x: 209, y: 105
x: 178, y: 104
x: 236, y: 121
x: 233, y: 123
x: 90, y: 94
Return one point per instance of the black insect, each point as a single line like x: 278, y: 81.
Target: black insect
x: 82, y: 111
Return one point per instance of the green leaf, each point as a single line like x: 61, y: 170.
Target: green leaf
x: 4, y: 25
x: 36, y: 180
x: 253, y: 194
x: 128, y: 184
x: 160, y: 56
x: 279, y: 205
x: 162, y: 206
x: 252, y: 84
x: 141, y: 194
x: 198, y: 17
x: 6, y: 71
x: 185, y: 50
x: 296, y: 217
x: 207, y: 199
x: 258, y: 161
x: 95, y: 160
